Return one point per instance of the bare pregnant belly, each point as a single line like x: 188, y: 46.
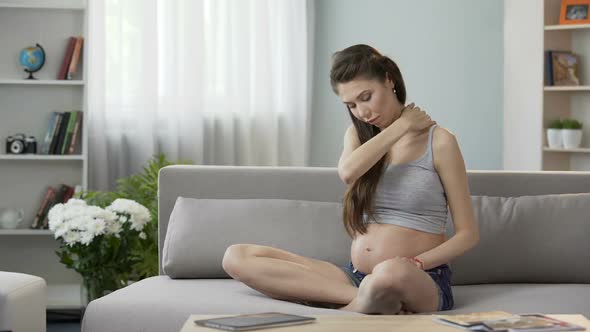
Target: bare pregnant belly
x: 384, y: 241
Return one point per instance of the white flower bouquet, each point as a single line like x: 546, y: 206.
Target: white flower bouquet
x: 100, y: 244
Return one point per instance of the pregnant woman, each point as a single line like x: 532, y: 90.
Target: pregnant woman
x: 404, y: 175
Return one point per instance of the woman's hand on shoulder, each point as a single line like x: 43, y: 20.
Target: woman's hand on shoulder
x: 415, y: 118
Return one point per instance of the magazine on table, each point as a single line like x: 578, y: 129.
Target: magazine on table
x: 497, y: 321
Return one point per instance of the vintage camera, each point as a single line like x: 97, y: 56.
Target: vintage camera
x: 21, y: 144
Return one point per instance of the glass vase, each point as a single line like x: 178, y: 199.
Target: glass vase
x: 91, y: 290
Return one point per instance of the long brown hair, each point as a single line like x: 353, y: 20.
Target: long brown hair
x: 363, y: 61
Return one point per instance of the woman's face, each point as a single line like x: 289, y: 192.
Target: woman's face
x: 371, y: 101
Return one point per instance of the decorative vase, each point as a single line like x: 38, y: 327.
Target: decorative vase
x: 91, y: 290
x: 554, y: 138
x: 572, y: 138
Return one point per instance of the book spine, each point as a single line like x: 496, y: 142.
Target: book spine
x: 68, y: 134
x: 55, y: 133
x: 40, y: 212
x: 548, y: 68
x: 49, y: 134
x: 65, y: 64
x: 69, y: 194
x: 76, y: 134
x: 62, y: 132
x: 75, y: 58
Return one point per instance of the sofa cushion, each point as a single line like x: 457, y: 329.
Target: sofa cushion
x: 532, y: 239
x: 200, y: 230
x: 523, y: 298
x: 163, y: 304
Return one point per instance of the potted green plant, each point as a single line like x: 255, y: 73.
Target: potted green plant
x: 554, y: 137
x: 111, y: 238
x: 571, y: 133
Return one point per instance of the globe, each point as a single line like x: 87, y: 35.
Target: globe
x: 32, y: 59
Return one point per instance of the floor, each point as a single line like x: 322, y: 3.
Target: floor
x: 63, y: 321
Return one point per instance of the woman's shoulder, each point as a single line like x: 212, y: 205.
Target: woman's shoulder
x: 445, y: 147
x: 442, y: 137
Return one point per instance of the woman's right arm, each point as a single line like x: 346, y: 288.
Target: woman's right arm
x: 357, y: 159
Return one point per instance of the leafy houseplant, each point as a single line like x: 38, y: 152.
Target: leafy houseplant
x: 141, y: 248
x: 571, y: 124
x: 571, y: 133
x: 554, y: 137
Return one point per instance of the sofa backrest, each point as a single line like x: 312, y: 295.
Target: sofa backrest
x: 323, y: 185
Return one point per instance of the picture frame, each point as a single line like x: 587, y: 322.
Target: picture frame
x: 565, y: 68
x: 574, y: 12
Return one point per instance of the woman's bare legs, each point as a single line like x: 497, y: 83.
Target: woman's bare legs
x: 395, y: 286
x: 284, y: 275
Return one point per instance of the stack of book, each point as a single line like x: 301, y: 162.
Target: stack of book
x: 63, y: 134
x: 71, y: 58
x: 53, y: 196
x: 504, y: 321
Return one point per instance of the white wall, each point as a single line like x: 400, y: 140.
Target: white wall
x: 523, y: 84
x: 450, y: 53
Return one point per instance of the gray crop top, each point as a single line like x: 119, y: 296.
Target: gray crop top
x: 411, y: 195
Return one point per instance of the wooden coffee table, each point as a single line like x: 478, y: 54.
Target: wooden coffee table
x: 367, y: 323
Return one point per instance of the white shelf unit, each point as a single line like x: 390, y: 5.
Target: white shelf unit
x: 566, y: 101
x: 25, y: 106
x: 531, y: 27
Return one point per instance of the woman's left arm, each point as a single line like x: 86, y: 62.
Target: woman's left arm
x: 450, y: 166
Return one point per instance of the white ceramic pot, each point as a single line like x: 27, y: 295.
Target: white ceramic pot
x: 554, y: 138
x: 572, y: 138
x: 10, y: 218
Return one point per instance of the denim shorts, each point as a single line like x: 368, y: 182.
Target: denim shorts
x: 441, y: 275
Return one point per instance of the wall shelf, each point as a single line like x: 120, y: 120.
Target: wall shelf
x: 41, y: 82
x: 39, y: 157
x: 567, y: 88
x: 576, y: 150
x: 45, y: 232
x: 562, y: 27
x: 44, y: 4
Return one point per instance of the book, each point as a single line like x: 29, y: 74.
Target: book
x: 496, y: 321
x: 43, y: 208
x: 472, y: 321
x: 69, y: 194
x: 62, y: 133
x: 65, y: 64
x: 548, y: 68
x: 75, y: 58
x: 565, y: 68
x: 49, y: 134
x: 68, y: 135
x: 58, y: 120
x: 531, y: 323
x: 76, y: 135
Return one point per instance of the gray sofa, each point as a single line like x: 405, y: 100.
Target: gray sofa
x: 534, y: 253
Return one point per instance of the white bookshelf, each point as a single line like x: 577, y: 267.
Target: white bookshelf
x: 25, y: 107
x: 532, y: 27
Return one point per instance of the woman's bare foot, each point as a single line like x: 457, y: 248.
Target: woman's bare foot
x: 374, y: 303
